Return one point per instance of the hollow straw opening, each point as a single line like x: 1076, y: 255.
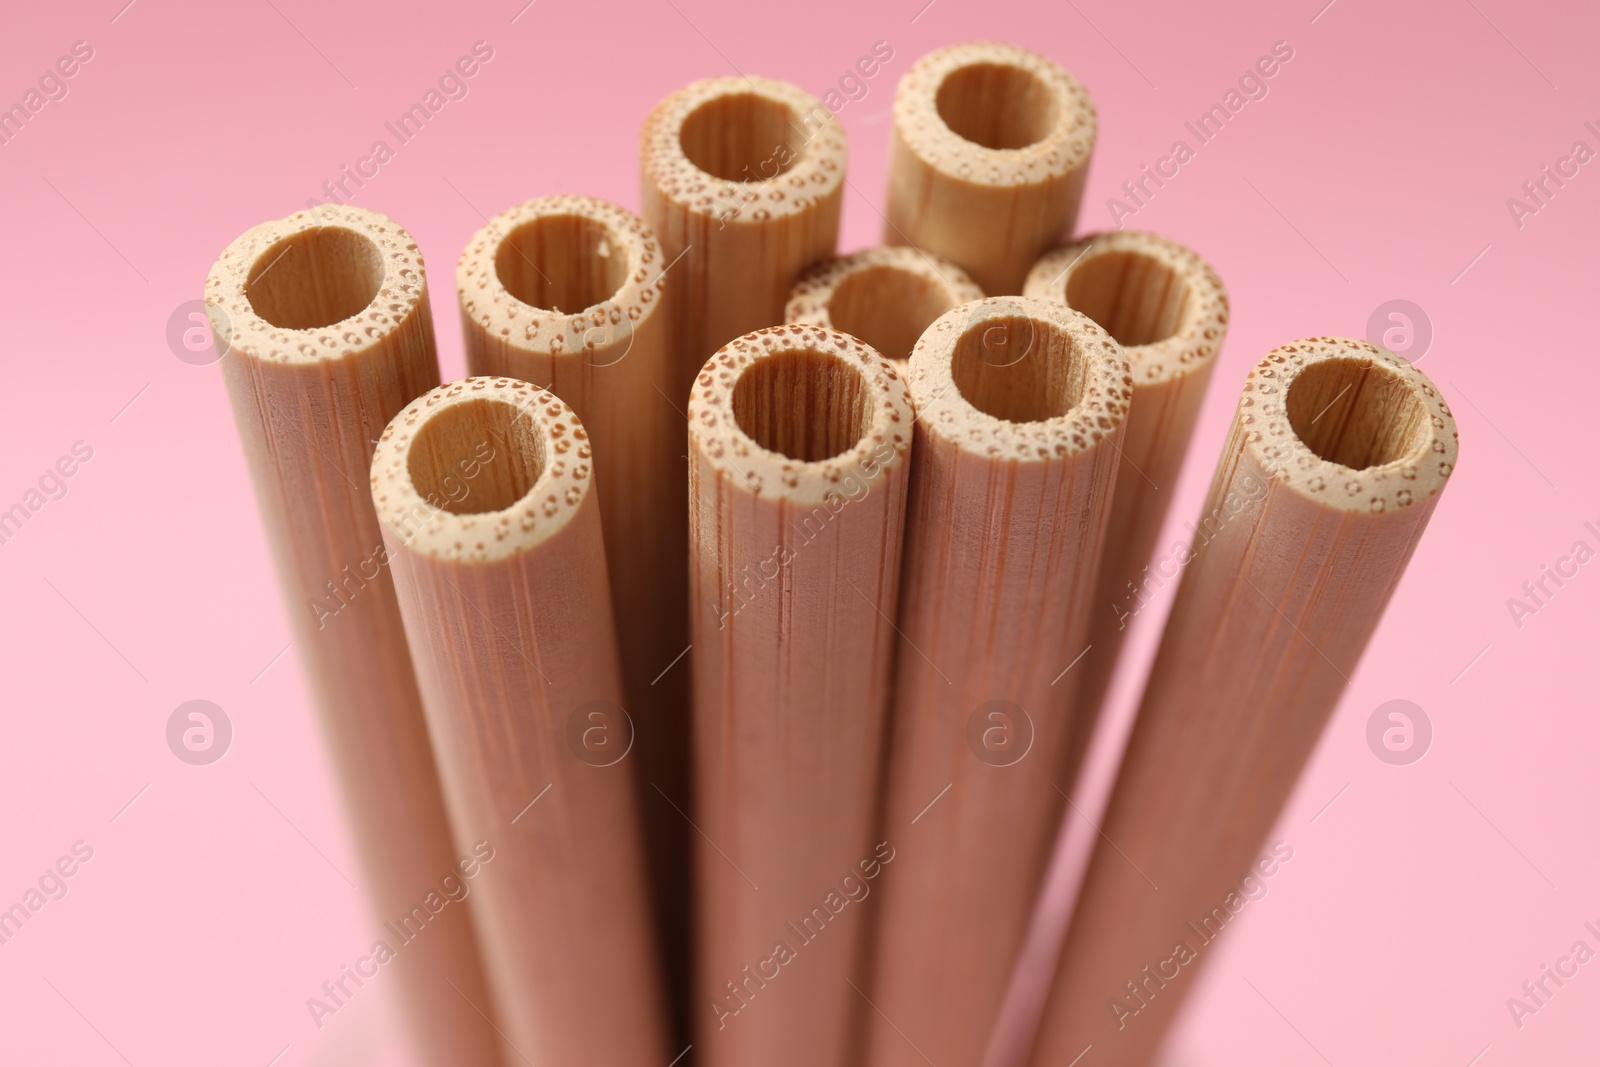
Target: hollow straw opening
x: 475, y: 457
x: 741, y: 137
x: 1356, y: 413
x: 805, y: 405
x: 1136, y: 298
x: 995, y: 105
x: 1018, y: 368
x: 315, y: 278
x: 887, y: 307
x: 562, y: 263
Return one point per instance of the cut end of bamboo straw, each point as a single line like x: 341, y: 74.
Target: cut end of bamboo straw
x: 1020, y: 377
x: 1349, y: 425
x: 318, y: 285
x: 480, y: 470
x: 1162, y: 303
x: 885, y: 296
x: 791, y: 411
x: 995, y: 115
x: 561, y: 274
x: 743, y: 150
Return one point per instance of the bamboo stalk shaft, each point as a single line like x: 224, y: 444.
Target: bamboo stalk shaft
x: 324, y: 325
x: 1020, y: 404
x: 568, y: 293
x: 485, y: 491
x: 1168, y: 310
x: 799, y: 440
x: 1336, y: 459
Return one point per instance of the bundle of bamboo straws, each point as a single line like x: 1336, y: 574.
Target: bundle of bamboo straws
x: 912, y: 525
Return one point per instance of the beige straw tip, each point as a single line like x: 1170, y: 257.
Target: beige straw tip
x: 560, y: 274
x: 319, y: 285
x: 1027, y: 378
x: 1164, y: 304
x: 886, y: 296
x: 743, y: 149
x: 1348, y: 424
x: 797, y: 411
x: 995, y: 114
x: 480, y: 470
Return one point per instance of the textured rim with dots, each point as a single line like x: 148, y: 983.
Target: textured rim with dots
x: 719, y: 438
x: 817, y: 171
x: 487, y: 302
x: 810, y: 298
x: 1202, y: 325
x: 943, y: 410
x: 401, y: 294
x: 1400, y: 483
x: 1064, y: 149
x: 565, y: 477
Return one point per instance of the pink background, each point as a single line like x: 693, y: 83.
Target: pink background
x: 1378, y: 167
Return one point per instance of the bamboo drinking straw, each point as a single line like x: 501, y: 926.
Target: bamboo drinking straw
x: 884, y: 296
x: 799, y: 438
x: 324, y: 325
x: 990, y: 151
x: 1337, y: 456
x: 1168, y: 310
x: 485, y: 490
x: 1020, y: 407
x: 743, y: 178
x: 566, y: 292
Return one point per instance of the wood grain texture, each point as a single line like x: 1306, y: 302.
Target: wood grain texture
x: 567, y: 292
x: 325, y: 331
x: 799, y: 442
x: 1020, y: 407
x: 989, y: 155
x: 743, y: 178
x: 485, y: 490
x: 885, y: 296
x: 1168, y: 310
x: 1336, y: 459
